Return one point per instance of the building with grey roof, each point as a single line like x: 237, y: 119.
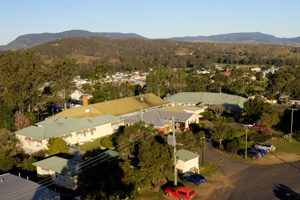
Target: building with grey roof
x: 161, y: 119
x: 17, y: 188
x: 229, y: 101
x: 72, y: 130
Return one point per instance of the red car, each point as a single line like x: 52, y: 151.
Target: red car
x: 259, y: 127
x: 181, y: 192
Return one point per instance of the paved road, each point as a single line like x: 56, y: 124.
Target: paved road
x: 250, y: 181
x: 227, y: 165
x: 278, y: 181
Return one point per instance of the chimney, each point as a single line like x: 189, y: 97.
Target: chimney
x: 85, y: 100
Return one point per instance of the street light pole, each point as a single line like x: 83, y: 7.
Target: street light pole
x: 292, y: 119
x: 246, y: 144
x: 174, y: 136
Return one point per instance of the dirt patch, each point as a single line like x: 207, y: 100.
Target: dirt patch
x: 214, y: 182
x: 275, y: 158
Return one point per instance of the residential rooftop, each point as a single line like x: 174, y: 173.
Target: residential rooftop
x: 159, y: 117
x: 17, y: 188
x: 186, y: 155
x: 60, y: 165
x: 116, y: 107
x: 207, y: 98
x: 60, y: 125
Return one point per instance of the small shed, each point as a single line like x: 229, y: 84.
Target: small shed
x: 187, y: 161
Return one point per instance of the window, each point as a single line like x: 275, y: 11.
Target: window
x: 183, y: 193
x: 60, y: 178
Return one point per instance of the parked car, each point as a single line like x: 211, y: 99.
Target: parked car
x: 261, y: 151
x: 193, y: 178
x: 259, y: 127
x: 251, y: 154
x: 180, y: 192
x: 265, y: 146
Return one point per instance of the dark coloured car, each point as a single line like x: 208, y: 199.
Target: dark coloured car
x: 261, y: 151
x: 193, y: 178
x: 253, y: 154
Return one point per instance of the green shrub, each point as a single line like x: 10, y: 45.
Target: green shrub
x: 107, y: 142
x: 258, y: 137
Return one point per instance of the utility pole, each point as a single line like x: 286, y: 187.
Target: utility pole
x: 174, y: 145
x: 246, y: 144
x: 292, y: 119
x: 142, y: 119
x: 202, y: 150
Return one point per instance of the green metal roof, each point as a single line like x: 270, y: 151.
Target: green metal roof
x: 186, y: 155
x: 59, y: 126
x: 207, y: 98
x: 59, y: 165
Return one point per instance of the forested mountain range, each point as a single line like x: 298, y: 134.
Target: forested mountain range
x: 255, y: 37
x: 30, y: 40
x: 131, y: 54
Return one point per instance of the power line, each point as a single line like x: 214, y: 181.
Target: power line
x: 80, y: 168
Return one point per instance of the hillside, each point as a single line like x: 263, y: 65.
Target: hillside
x: 255, y: 37
x: 141, y: 54
x: 30, y: 40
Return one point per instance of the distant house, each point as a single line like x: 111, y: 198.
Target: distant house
x: 64, y: 172
x: 256, y: 69
x: 187, y: 161
x: 17, y: 188
x: 232, y: 102
x: 294, y: 101
x: 72, y: 130
x: 161, y: 119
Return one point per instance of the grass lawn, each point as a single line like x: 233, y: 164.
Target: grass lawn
x: 287, y: 147
x: 97, y: 144
x: 208, y: 170
x: 91, y: 145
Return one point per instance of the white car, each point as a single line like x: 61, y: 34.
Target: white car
x: 265, y: 146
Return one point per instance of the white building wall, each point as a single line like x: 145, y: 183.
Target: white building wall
x: 59, y: 179
x: 30, y: 146
x: 83, y: 136
x: 189, y: 165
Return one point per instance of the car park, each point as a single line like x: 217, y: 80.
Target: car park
x: 265, y: 146
x: 180, y: 192
x: 193, y: 178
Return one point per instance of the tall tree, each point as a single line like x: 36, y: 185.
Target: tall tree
x: 219, y: 132
x: 255, y: 107
x: 6, y: 118
x: 21, y: 79
x: 61, y: 74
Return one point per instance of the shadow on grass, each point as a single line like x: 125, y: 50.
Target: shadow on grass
x: 283, y: 192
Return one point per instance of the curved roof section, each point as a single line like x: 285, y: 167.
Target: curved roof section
x: 207, y: 98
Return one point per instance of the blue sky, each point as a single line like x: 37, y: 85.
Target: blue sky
x: 150, y: 18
